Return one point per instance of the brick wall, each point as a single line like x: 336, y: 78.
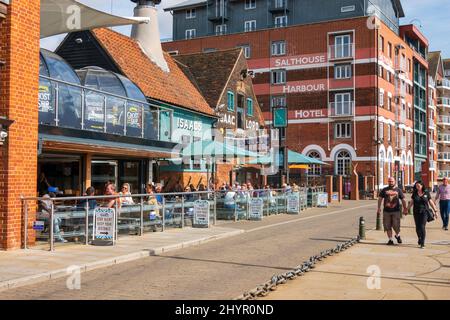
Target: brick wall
x: 19, y: 41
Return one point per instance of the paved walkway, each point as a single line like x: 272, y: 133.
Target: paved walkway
x: 406, y: 271
x: 23, y: 267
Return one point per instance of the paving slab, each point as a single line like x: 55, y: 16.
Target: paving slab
x: 405, y: 271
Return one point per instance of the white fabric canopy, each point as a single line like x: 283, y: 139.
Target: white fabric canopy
x: 63, y: 16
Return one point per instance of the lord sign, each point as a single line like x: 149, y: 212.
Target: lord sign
x: 201, y: 214
x: 293, y: 203
x: 256, y: 209
x: 38, y: 225
x: 104, y: 223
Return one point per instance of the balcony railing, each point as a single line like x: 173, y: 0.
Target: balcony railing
x: 432, y: 165
x: 432, y: 145
x: 444, y: 173
x: 67, y: 105
x: 444, y: 120
x: 401, y: 65
x: 342, y: 109
x: 431, y: 82
x: 431, y: 124
x: 444, y: 138
x: 341, y: 51
x: 443, y: 156
x: 276, y: 6
x: 444, y: 83
x: 443, y: 101
x: 400, y: 91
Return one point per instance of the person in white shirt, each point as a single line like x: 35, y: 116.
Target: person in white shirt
x: 126, y: 192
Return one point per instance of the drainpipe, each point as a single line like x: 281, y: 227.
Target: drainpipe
x: 377, y: 96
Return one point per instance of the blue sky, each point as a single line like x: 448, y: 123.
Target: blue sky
x: 432, y: 15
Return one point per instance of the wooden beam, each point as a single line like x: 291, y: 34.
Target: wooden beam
x: 88, y: 168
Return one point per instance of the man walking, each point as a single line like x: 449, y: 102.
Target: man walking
x: 443, y: 194
x: 392, y: 195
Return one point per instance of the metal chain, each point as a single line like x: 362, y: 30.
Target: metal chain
x: 276, y: 280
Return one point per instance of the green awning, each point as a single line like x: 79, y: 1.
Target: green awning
x: 210, y: 149
x: 293, y: 158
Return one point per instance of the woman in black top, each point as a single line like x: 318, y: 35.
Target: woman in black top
x: 421, y: 200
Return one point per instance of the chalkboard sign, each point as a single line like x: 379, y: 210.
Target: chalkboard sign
x: 201, y: 214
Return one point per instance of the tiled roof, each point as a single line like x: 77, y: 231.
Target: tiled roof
x: 433, y: 62
x: 173, y: 87
x: 211, y: 72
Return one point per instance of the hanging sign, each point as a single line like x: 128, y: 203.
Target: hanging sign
x: 201, y: 214
x: 256, y: 207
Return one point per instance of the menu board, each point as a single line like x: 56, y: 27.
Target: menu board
x: 201, y: 213
x: 322, y: 200
x: 293, y: 203
x: 45, y: 99
x: 256, y: 207
x: 104, y: 223
x: 134, y: 117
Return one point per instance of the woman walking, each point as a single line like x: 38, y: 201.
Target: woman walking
x: 443, y: 195
x: 422, y: 201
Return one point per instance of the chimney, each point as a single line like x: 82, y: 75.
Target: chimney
x: 147, y: 34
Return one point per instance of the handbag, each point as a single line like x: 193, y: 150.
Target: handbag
x: 429, y: 212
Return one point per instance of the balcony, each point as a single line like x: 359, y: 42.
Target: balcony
x: 432, y: 164
x: 444, y: 173
x: 342, y: 109
x: 72, y: 106
x: 432, y: 145
x: 400, y: 65
x: 444, y: 138
x: 444, y: 120
x: 443, y: 102
x: 341, y: 51
x: 431, y: 124
x: 444, y: 84
x: 444, y: 156
x: 400, y: 91
x: 277, y: 6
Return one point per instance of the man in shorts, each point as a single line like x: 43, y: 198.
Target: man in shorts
x: 392, y: 195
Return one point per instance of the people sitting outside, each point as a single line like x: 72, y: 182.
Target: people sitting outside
x: 126, y: 191
x: 229, y: 200
x: 158, y: 190
x: 46, y: 215
x: 110, y: 190
x: 152, y: 201
x: 92, y: 203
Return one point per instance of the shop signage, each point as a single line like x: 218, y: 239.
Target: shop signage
x: 322, y: 200
x: 309, y: 114
x: 45, y: 98
x: 201, y: 213
x: 251, y: 125
x: 301, y: 88
x: 38, y: 225
x: 227, y: 119
x: 189, y: 125
x: 256, y: 206
x: 293, y: 203
x: 104, y: 223
x: 298, y: 61
x: 134, y: 117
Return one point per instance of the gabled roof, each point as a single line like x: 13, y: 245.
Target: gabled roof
x: 211, y: 71
x: 186, y: 4
x: 173, y: 87
x: 434, y: 61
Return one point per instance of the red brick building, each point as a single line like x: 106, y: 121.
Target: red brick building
x: 19, y: 78
x: 348, y: 85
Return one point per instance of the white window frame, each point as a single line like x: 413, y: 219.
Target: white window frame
x: 281, y: 19
x: 380, y: 130
x: 343, y: 130
x: 247, y: 50
x: 278, y: 48
x: 343, y: 71
x: 314, y: 170
x: 341, y: 43
x: 280, y: 99
x: 343, y: 164
x: 381, y: 98
x: 250, y: 4
x: 388, y: 132
x: 221, y: 29
x: 249, y: 25
x: 192, y: 33
x: 389, y: 103
x: 280, y: 76
x: 342, y: 101
x: 191, y: 13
